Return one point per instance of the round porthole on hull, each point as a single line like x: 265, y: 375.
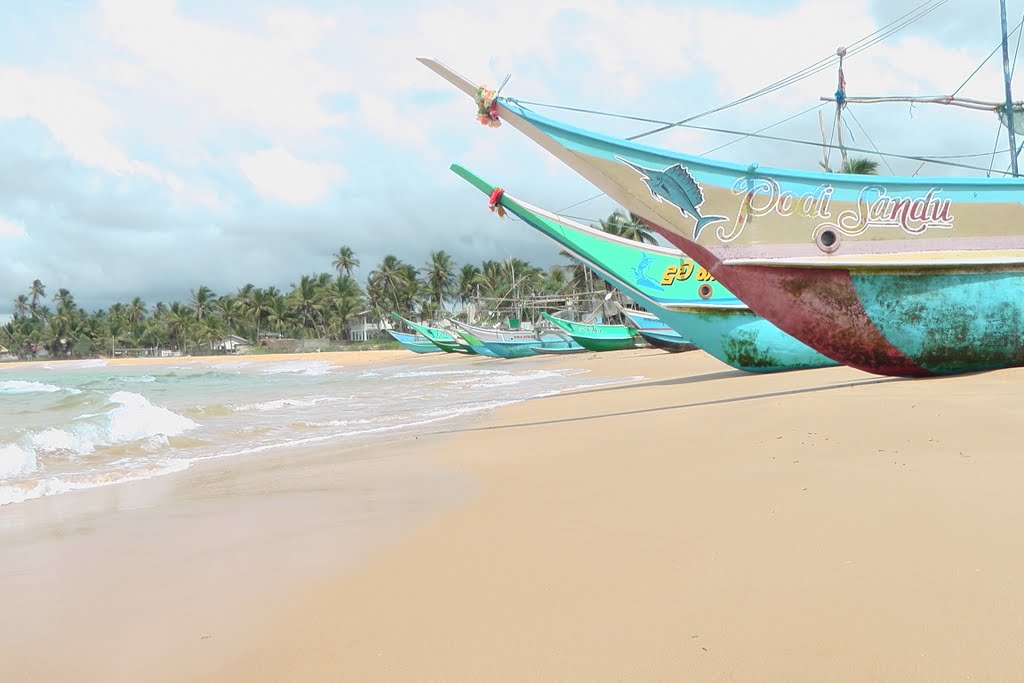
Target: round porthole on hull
x: 827, y: 240
x: 705, y: 291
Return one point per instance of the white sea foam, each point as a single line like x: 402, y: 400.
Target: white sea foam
x: 280, y: 403
x: 16, y: 461
x: 18, y: 386
x: 312, y: 368
x: 20, y: 492
x: 134, y: 418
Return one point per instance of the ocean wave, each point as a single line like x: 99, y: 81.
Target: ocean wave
x: 18, y: 386
x: 133, y: 418
x: 16, y: 461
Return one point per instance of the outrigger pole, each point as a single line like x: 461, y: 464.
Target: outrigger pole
x: 1009, y: 97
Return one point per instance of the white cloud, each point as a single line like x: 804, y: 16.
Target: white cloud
x: 9, y: 228
x: 269, y: 80
x: 76, y: 116
x: 278, y: 175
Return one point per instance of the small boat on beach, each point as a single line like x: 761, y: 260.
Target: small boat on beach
x: 416, y: 343
x: 595, y: 336
x: 476, y: 345
x: 656, y: 333
x: 441, y: 338
x: 502, y: 343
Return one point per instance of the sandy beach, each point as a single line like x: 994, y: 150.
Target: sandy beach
x: 698, y: 524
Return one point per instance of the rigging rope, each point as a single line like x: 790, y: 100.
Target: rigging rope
x: 919, y: 12
x: 864, y: 130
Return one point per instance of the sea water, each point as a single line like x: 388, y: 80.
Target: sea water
x: 74, y: 425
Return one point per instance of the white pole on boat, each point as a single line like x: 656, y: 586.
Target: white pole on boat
x: 1009, y: 97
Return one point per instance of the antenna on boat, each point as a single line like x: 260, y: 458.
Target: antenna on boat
x: 1009, y: 96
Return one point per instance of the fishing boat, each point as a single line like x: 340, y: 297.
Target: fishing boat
x: 596, y: 336
x: 441, y: 338
x: 670, y: 285
x: 416, y: 343
x: 656, y: 333
x: 476, y: 345
x: 905, y: 276
x: 502, y: 343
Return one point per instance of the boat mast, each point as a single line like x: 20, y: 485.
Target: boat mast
x: 1009, y: 97
x: 840, y: 103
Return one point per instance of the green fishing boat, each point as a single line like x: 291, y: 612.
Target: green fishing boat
x: 595, y: 337
x: 442, y: 338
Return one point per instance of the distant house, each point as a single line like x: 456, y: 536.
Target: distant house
x: 366, y: 327
x: 232, y: 343
x: 5, y: 353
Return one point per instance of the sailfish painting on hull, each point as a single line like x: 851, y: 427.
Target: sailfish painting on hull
x: 676, y: 186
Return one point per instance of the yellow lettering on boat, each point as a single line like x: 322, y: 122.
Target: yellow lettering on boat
x: 704, y: 276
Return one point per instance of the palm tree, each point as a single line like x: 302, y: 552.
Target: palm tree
x: 467, y: 284
x: 440, y: 275
x: 388, y: 282
x: 628, y: 226
x: 259, y: 303
x: 21, y: 306
x: 202, y: 301
x: 305, y: 300
x: 860, y: 166
x: 37, y: 291
x: 230, y: 311
x: 344, y: 261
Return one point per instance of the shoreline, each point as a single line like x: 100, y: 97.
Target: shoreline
x: 699, y: 524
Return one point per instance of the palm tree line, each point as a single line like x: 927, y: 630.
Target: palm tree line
x: 321, y: 305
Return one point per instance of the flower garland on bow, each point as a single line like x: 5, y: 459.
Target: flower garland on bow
x: 487, y: 107
x: 495, y: 202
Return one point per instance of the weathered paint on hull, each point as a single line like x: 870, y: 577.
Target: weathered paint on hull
x: 817, y: 305
x: 948, y: 322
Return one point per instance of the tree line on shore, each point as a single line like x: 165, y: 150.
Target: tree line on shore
x: 322, y: 305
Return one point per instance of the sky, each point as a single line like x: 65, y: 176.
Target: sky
x: 148, y: 147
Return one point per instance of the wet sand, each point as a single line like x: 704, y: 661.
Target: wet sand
x: 699, y: 524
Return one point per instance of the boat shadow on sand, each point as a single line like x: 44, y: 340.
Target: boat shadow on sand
x: 681, y: 406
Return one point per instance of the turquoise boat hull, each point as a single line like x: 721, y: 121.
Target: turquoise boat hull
x: 670, y: 286
x: 512, y: 349
x: 416, y: 343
